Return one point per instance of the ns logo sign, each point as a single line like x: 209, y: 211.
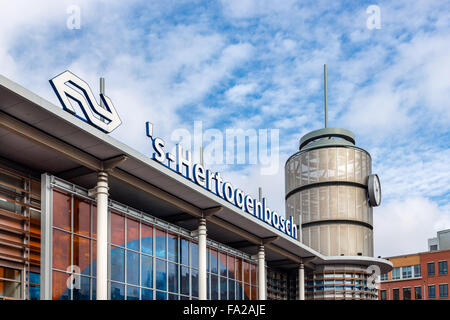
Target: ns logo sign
x: 67, y: 85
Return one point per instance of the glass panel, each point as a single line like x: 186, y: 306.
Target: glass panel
x: 238, y: 291
x: 253, y: 274
x: 94, y: 221
x: 147, y: 271
x: 117, y: 229
x: 185, y: 280
x: 132, y: 293
x: 146, y: 294
x: 238, y: 269
x: 61, y: 250
x: 59, y: 286
x: 194, y: 274
x: 160, y: 295
x: 83, y: 293
x: 173, y: 297
x: 132, y: 267
x: 132, y: 234
x: 254, y: 293
x: 160, y: 243
x: 231, y: 267
x: 61, y: 210
x: 81, y: 254
x: 214, y: 261
x: 223, y: 288
x: 246, y: 272
x: 231, y: 290
x: 223, y: 264
x: 173, y: 277
x: 161, y: 275
x: 246, y: 292
x: 81, y: 217
x: 117, y: 264
x: 214, y: 287
x: 147, y: 239
x: 172, y: 252
x: 184, y: 252
x: 94, y: 257
x: 194, y: 255
x: 117, y: 291
x: 10, y: 289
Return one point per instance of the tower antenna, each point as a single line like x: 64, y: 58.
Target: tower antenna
x: 325, y: 92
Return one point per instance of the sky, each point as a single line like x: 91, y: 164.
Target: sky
x: 248, y: 64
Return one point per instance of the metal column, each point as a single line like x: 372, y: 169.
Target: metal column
x: 202, y: 259
x: 102, y: 235
x: 262, y: 273
x: 301, y: 282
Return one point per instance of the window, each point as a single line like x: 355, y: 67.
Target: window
x: 383, y: 295
x: 443, y: 291
x: 431, y: 292
x: 442, y: 267
x: 396, y: 294
x: 417, y: 271
x: 430, y: 268
x: 406, y: 293
x: 10, y: 283
x: 384, y: 277
x: 417, y: 293
x: 396, y: 274
x: 406, y: 272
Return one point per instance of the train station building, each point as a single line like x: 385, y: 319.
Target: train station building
x: 84, y: 216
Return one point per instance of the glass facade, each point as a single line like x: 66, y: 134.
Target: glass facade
x: 19, y: 234
x: 343, y: 198
x: 149, y: 259
x: 340, y: 283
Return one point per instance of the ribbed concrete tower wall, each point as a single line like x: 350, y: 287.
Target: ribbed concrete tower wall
x: 326, y: 194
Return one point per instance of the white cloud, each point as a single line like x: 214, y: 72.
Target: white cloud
x: 402, y: 227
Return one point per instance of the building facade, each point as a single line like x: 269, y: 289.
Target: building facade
x: 420, y: 276
x: 83, y: 216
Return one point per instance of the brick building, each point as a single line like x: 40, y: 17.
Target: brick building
x: 419, y: 276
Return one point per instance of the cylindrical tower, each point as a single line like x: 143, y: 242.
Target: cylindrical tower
x: 327, y: 193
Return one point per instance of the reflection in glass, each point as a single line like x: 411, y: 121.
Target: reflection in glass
x: 161, y: 275
x: 160, y: 243
x: 184, y: 252
x: 194, y: 255
x: 132, y: 293
x: 132, y: 267
x: 61, y: 210
x: 117, y: 264
x: 117, y: 291
x: 172, y: 241
x: 214, y: 287
x: 117, y: 229
x: 132, y: 234
x: 147, y: 239
x: 83, y: 293
x: 147, y: 271
x: 194, y: 281
x: 173, y: 277
x: 223, y: 288
x: 146, y: 294
x: 185, y: 280
x: 81, y: 217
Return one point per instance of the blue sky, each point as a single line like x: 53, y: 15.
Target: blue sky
x: 258, y: 64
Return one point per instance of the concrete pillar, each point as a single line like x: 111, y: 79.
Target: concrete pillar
x: 202, y: 259
x: 262, y: 273
x: 102, y: 235
x: 301, y: 282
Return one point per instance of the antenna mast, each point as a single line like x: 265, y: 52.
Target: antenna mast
x: 325, y: 92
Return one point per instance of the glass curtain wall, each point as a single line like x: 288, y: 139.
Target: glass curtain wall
x: 147, y: 260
